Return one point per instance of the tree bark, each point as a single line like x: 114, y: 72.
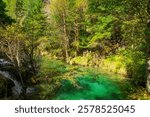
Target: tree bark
x: 76, y: 35
x: 148, y: 47
x: 66, y: 41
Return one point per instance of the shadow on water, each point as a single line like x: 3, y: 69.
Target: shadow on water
x: 89, y: 88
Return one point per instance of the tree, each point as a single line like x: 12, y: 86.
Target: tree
x: 148, y: 47
x: 78, y: 13
x: 4, y: 19
x: 59, y: 16
x: 34, y: 27
x: 11, y: 45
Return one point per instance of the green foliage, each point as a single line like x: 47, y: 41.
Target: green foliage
x: 101, y: 29
x: 33, y: 26
x: 105, y: 34
x: 12, y: 43
x: 115, y: 64
x: 130, y: 63
x: 46, y: 91
x: 4, y: 19
x: 79, y: 61
x: 136, y: 67
x: 137, y: 93
x: 11, y: 7
x: 50, y: 76
x: 51, y: 67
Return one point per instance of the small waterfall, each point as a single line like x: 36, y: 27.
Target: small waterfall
x: 17, y: 89
x: 4, y: 62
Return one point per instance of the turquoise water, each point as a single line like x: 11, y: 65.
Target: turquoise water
x: 101, y: 87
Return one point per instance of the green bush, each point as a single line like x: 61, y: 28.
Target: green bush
x: 129, y: 63
x: 136, y: 68
x: 80, y: 60
x: 115, y: 64
x: 51, y: 67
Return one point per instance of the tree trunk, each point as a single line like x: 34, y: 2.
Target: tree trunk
x: 66, y: 41
x: 148, y: 47
x: 76, y: 35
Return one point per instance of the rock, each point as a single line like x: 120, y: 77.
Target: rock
x: 31, y: 90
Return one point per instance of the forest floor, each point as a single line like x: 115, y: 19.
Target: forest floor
x: 60, y: 81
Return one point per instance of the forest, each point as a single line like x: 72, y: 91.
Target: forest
x: 75, y: 49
